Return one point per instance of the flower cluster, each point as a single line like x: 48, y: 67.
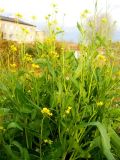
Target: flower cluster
x: 13, y: 65
x: 35, y: 66
x: 85, y: 13
x: 100, y: 60
x: 53, y: 54
x: 67, y: 111
x: 25, y: 30
x: 101, y: 57
x: 46, y: 111
x: 13, y: 48
x: 27, y: 58
x: 100, y: 103
x: 18, y: 15
x: 104, y: 20
x: 48, y: 141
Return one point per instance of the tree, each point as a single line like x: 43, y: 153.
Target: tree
x: 99, y: 28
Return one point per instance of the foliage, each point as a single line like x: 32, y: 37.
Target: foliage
x: 54, y: 106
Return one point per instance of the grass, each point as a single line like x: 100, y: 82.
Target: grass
x: 56, y: 107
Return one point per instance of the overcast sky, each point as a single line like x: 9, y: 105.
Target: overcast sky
x: 72, y: 9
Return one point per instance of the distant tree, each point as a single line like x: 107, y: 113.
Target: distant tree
x: 99, y: 28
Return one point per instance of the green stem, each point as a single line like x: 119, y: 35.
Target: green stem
x: 26, y: 136
x: 41, y: 131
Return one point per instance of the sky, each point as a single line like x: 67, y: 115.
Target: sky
x: 70, y: 8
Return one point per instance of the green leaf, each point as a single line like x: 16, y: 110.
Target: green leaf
x: 10, y: 153
x: 51, y: 69
x: 23, y: 151
x: 115, y: 139
x: 4, y: 111
x: 3, y: 87
x: 26, y: 154
x: 95, y: 143
x: 15, y: 143
x: 80, y: 28
x: 14, y: 125
x: 26, y: 109
x: 76, y: 83
x: 105, y: 140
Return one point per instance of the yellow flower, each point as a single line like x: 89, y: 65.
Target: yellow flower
x: 35, y: 66
x: 46, y: 17
x: 104, y: 20
x: 53, y: 54
x: 13, y: 65
x: 43, y: 55
x: 54, y: 5
x: 48, y: 141
x: 46, y: 111
x: 1, y: 128
x: 34, y: 18
x: 27, y: 58
x: 118, y: 74
x: 58, y: 29
x: 100, y: 60
x: 13, y: 48
x: 67, y: 111
x: 18, y: 15
x: 25, y: 30
x: 101, y: 57
x: 100, y: 103
x: 85, y: 13
x: 91, y: 24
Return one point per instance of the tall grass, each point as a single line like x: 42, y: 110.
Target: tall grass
x: 54, y: 106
